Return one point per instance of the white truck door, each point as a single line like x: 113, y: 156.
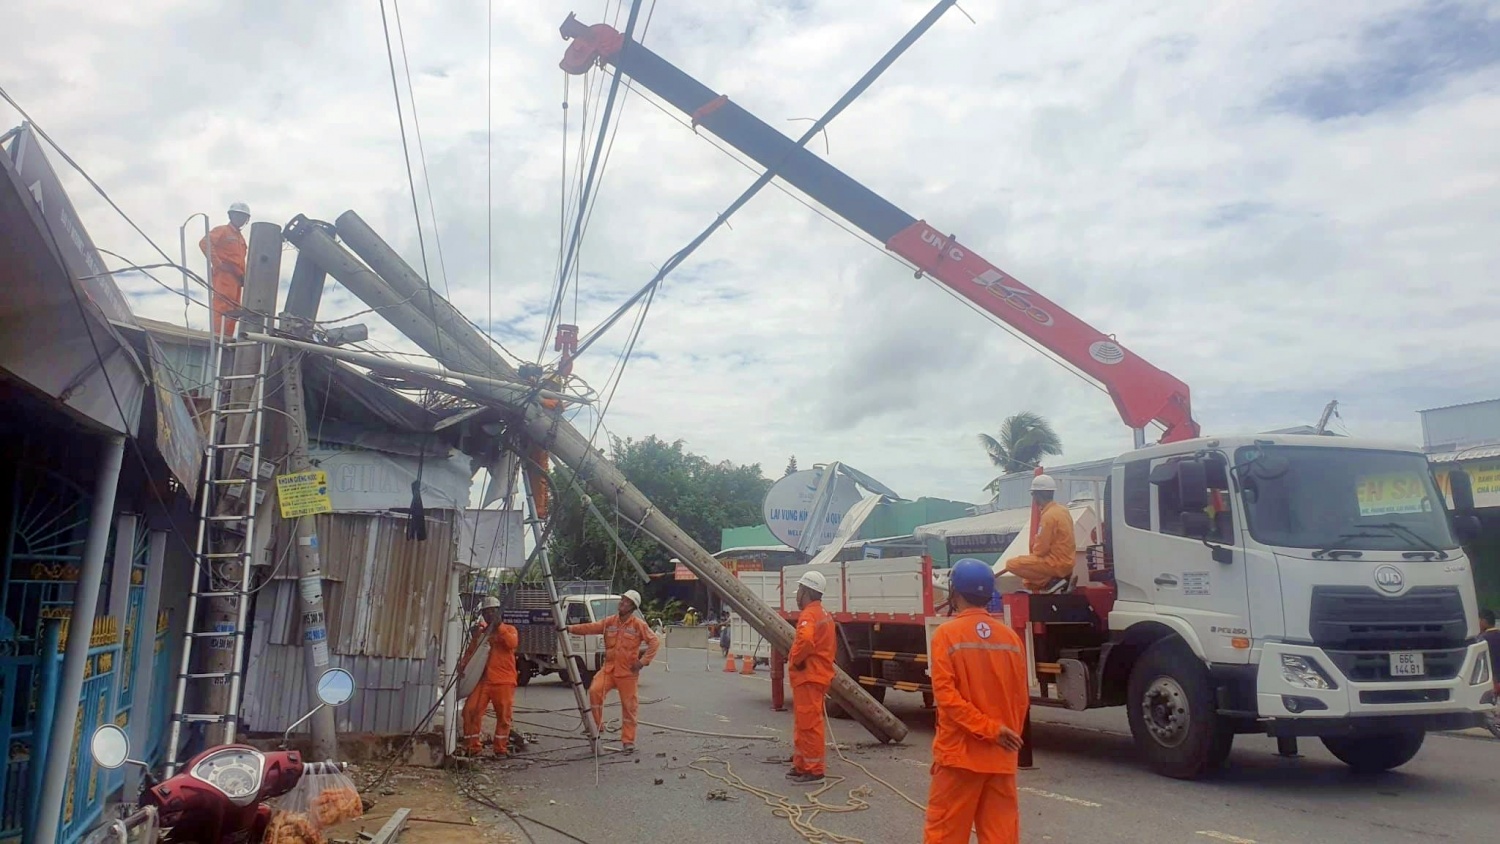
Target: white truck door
x: 576, y: 611
x: 1155, y: 562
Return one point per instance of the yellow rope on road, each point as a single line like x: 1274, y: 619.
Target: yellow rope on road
x: 840, y: 751
x: 799, y: 815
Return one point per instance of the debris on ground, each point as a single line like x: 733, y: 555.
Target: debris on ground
x: 719, y: 794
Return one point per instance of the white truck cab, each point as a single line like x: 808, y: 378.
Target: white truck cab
x: 1291, y: 585
x: 537, y: 654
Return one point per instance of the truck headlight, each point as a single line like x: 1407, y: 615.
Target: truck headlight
x: 1481, y: 673
x: 1305, y: 673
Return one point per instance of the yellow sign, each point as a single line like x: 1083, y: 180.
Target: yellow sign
x: 1485, y: 478
x: 1397, y: 493
x: 303, y: 494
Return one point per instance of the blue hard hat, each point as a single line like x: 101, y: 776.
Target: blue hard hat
x: 972, y: 579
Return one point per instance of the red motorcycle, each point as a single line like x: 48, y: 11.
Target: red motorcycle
x: 219, y: 796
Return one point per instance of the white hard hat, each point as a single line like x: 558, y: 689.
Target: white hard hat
x: 1043, y: 483
x: 633, y: 596
x: 239, y: 207
x: 814, y: 580
x: 490, y: 603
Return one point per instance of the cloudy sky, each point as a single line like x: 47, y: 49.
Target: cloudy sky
x: 1278, y: 202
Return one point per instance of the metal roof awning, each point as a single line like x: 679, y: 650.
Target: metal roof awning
x: 55, y: 331
x: 998, y: 523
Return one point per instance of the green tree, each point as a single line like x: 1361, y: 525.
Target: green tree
x: 701, y: 496
x: 791, y: 466
x: 1025, y: 438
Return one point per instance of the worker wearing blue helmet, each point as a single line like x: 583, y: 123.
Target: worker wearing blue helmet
x: 979, y: 684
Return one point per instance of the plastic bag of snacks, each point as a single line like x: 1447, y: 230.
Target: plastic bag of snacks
x: 289, y: 827
x: 324, y: 797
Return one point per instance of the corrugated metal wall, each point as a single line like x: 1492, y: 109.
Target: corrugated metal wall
x: 1461, y: 426
x: 384, y: 597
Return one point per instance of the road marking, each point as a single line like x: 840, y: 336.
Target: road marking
x: 1052, y: 795
x: 1224, y: 836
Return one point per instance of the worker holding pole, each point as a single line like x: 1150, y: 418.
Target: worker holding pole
x: 226, y: 250
x: 979, y: 683
x: 811, y: 660
x: 624, y: 634
x: 497, y: 689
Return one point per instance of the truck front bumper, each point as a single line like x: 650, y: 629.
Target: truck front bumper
x: 1287, y: 707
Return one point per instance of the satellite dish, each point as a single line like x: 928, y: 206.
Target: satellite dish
x: 790, y: 500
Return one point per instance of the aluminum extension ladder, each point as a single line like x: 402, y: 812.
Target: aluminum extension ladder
x: 233, y: 473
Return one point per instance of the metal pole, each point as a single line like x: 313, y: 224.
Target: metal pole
x: 80, y: 629
x: 573, y: 662
x: 554, y: 433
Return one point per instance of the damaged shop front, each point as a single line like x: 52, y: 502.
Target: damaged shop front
x: 390, y: 589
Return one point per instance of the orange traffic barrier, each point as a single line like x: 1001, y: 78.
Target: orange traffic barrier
x: 729, y: 664
x: 748, y: 665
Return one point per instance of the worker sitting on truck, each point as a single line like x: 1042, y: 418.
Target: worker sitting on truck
x: 498, y: 687
x: 624, y: 634
x: 1050, y: 564
x: 811, y: 664
x: 979, y: 684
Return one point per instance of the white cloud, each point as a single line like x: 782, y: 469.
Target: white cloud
x: 1272, y: 201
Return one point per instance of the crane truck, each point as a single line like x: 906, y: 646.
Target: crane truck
x: 1285, y: 585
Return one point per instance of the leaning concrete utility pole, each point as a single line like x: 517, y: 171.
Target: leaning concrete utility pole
x: 257, y: 299
x: 410, y: 304
x: 309, y: 565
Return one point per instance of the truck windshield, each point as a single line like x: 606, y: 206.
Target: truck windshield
x: 1344, y: 498
x: 605, y: 607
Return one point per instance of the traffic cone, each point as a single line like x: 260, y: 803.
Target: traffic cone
x: 729, y: 664
x: 748, y: 665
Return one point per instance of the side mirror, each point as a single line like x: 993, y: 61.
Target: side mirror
x: 1466, y: 528
x: 109, y: 747
x: 1462, y: 487
x: 335, y: 687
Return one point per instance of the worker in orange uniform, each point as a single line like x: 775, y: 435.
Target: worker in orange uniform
x: 624, y: 635
x: 226, y: 251
x: 811, y: 668
x: 979, y: 683
x: 1050, y: 563
x: 498, y: 687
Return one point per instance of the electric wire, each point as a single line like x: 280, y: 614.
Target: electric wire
x: 416, y: 125
x: 411, y: 179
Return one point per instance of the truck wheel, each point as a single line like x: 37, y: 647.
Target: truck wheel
x: 1172, y: 713
x: 525, y: 670
x: 1373, y: 754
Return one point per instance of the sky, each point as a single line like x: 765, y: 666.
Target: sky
x: 1280, y: 203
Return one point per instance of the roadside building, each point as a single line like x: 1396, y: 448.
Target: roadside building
x: 1467, y: 437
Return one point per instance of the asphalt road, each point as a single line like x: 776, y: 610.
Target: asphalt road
x: 1087, y: 786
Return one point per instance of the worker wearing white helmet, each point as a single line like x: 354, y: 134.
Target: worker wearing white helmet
x: 497, y: 689
x: 810, y: 664
x: 1050, y: 563
x: 624, y: 635
x: 227, y: 252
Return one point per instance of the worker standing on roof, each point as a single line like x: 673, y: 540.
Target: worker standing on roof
x: 498, y: 687
x: 811, y: 669
x: 979, y: 684
x: 226, y: 251
x: 1050, y: 563
x: 624, y: 634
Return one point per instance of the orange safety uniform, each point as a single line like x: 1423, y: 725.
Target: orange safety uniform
x: 810, y: 665
x: 1052, y: 549
x: 979, y: 685
x: 225, y: 246
x: 497, y: 689
x: 622, y: 650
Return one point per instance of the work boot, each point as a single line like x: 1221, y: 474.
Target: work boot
x: 805, y: 777
x: 627, y: 749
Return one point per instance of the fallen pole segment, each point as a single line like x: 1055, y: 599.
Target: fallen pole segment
x: 454, y: 342
x: 518, y: 390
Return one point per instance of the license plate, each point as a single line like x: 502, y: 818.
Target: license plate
x: 1407, y: 664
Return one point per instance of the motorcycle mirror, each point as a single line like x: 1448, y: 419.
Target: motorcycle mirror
x: 109, y: 747
x: 335, y: 687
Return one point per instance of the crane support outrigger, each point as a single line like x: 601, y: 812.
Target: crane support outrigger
x: 1142, y: 393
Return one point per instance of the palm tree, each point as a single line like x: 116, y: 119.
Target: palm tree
x: 1024, y: 440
